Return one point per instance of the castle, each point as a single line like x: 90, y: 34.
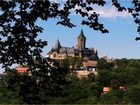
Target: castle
x: 59, y: 52
x: 89, y: 55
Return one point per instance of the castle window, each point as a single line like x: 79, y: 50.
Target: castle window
x: 60, y: 56
x: 54, y: 55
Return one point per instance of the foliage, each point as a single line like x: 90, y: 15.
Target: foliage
x: 103, y: 64
x: 19, y: 45
x: 79, y: 91
x: 7, y: 96
x: 134, y: 94
x: 113, y: 97
x: 18, y: 32
x: 37, y: 88
x: 68, y: 89
x: 127, y: 74
x: 72, y: 63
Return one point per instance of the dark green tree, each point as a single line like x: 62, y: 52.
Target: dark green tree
x: 113, y: 97
x: 40, y: 86
x: 8, y: 96
x: 134, y: 94
x: 72, y: 63
x: 103, y: 64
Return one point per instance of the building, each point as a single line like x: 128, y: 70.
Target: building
x: 58, y: 52
x: 106, y: 89
x: 89, y: 55
x: 85, y: 73
x: 21, y: 69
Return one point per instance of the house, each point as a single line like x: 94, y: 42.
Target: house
x: 84, y: 73
x: 21, y: 69
x: 124, y: 88
x: 90, y: 65
x: 106, y: 89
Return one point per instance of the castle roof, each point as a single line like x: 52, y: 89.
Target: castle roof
x: 81, y: 34
x: 57, y: 44
x: 68, y: 50
x: 89, y: 53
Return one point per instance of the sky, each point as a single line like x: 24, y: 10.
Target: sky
x: 118, y: 43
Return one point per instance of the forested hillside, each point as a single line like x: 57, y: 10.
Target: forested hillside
x: 16, y: 88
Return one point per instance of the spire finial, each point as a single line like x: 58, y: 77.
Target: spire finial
x: 57, y: 44
x: 81, y: 33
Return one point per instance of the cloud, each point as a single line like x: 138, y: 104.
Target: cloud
x: 56, y: 1
x: 110, y: 12
x: 107, y: 11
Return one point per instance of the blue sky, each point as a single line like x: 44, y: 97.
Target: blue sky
x: 118, y: 43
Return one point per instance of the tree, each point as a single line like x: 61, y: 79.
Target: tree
x: 72, y: 63
x: 18, y: 43
x: 104, y: 78
x: 7, y: 96
x: 113, y: 97
x: 134, y: 94
x: 38, y: 88
x: 103, y: 64
x: 18, y: 33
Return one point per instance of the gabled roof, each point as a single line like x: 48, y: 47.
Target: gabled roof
x: 93, y: 57
x: 90, y: 63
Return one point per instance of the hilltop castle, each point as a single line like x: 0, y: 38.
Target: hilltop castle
x: 58, y: 52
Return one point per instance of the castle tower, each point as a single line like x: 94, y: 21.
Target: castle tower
x: 57, y: 45
x: 81, y: 41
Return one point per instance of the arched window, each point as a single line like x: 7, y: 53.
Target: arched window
x: 54, y: 55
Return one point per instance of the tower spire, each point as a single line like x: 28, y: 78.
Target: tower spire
x: 81, y: 33
x: 57, y: 44
x: 81, y: 41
